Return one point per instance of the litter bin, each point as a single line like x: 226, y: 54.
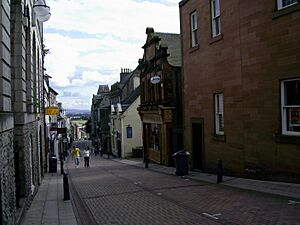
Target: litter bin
x: 181, y: 162
x: 53, y: 164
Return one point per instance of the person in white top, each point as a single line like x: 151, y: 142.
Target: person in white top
x: 86, y: 156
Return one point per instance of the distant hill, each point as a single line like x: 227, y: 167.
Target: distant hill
x: 77, y: 111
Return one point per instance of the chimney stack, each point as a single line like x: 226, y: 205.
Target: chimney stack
x: 124, y: 72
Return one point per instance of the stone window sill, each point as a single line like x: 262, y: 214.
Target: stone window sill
x: 217, y: 137
x: 216, y: 38
x: 195, y: 48
x: 287, y: 139
x: 285, y: 11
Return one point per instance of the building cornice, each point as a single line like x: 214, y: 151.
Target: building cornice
x: 182, y: 3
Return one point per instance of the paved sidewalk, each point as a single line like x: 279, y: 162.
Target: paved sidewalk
x: 290, y: 190
x: 48, y: 206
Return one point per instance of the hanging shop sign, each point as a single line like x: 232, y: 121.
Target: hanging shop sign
x: 155, y: 79
x: 52, y: 110
x: 61, y: 130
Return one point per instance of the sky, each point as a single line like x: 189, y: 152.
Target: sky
x: 91, y: 40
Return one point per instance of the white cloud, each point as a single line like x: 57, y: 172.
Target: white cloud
x: 88, y: 37
x: 122, y: 18
x: 90, y: 77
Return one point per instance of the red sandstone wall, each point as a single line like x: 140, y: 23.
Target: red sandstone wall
x: 246, y: 64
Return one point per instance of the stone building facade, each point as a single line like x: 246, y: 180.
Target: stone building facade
x: 125, y: 123
x: 22, y: 142
x: 161, y: 104
x: 242, y: 86
x: 100, y: 111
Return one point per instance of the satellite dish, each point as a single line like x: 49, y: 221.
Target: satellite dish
x: 155, y: 79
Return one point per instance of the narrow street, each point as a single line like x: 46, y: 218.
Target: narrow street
x: 109, y: 192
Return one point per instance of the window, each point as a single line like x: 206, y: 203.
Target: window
x: 129, y: 132
x: 155, y: 136
x: 194, y: 28
x: 215, y: 17
x: 290, y: 107
x: 219, y: 114
x: 285, y: 3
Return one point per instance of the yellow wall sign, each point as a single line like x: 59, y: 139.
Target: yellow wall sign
x: 52, y: 111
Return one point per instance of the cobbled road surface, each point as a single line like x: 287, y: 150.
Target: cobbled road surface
x: 112, y: 193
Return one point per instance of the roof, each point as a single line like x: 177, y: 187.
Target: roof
x: 172, y: 41
x: 53, y: 91
x: 102, y: 88
x: 132, y: 97
x: 126, y: 79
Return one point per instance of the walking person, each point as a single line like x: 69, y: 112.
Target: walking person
x: 86, y: 155
x: 76, y: 154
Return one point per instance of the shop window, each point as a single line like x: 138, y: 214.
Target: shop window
x: 155, y: 137
x: 290, y: 107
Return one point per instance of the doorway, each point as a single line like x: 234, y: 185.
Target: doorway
x: 197, y: 145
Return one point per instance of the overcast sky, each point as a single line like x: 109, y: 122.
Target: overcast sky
x: 91, y: 40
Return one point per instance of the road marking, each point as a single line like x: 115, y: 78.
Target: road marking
x: 293, y: 202
x: 214, y: 216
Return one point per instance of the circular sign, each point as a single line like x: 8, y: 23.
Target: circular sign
x: 155, y: 79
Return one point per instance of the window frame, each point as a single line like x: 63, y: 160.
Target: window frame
x: 219, y: 130
x: 284, y: 111
x: 279, y: 4
x: 194, y: 28
x: 215, y: 16
x: 129, y: 132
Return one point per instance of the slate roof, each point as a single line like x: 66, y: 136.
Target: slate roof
x: 174, y: 46
x: 126, y: 79
x: 131, y: 98
x: 102, y: 88
x: 53, y: 91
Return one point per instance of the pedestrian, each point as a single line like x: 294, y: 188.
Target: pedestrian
x: 86, y: 155
x: 101, y: 151
x: 76, y: 154
x: 65, y: 154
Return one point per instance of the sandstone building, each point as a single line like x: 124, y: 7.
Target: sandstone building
x: 22, y: 136
x: 161, y: 109
x: 241, y: 75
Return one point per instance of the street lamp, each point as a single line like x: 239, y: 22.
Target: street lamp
x: 44, y: 18
x: 41, y: 10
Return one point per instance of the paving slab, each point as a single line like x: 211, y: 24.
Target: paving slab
x: 48, y: 206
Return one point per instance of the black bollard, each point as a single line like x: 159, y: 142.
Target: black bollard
x: 219, y: 171
x: 66, y: 187
x: 61, y: 167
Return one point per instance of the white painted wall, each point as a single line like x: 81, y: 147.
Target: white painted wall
x: 132, y: 118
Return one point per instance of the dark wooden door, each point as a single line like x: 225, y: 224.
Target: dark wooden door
x: 197, y: 141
